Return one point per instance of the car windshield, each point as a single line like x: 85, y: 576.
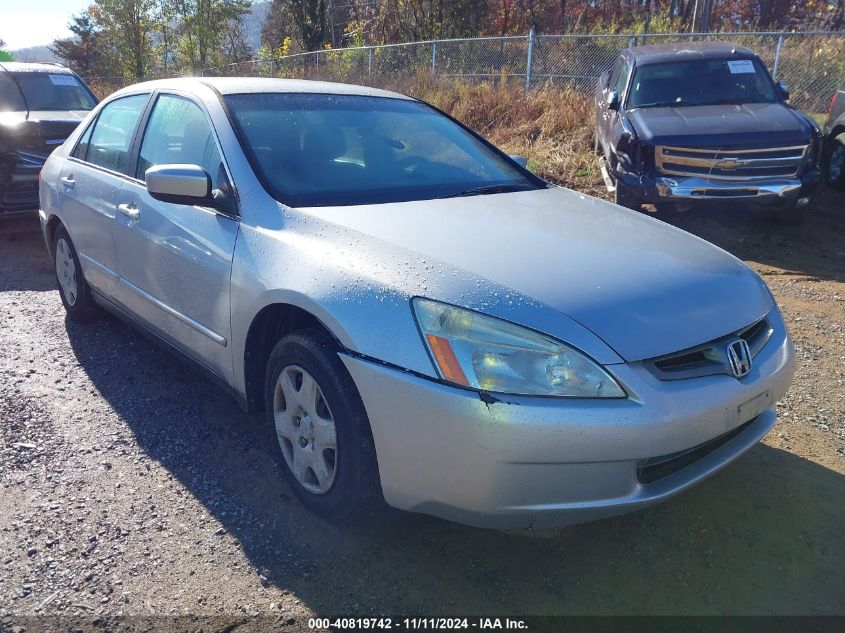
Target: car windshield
x: 701, y: 82
x: 53, y: 91
x: 326, y: 150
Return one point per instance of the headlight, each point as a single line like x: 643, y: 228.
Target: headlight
x: 486, y: 353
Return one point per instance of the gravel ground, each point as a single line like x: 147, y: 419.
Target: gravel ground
x: 131, y: 486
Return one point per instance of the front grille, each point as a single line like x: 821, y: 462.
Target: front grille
x: 20, y: 194
x: 730, y: 164
x: 656, y: 468
x: 710, y: 358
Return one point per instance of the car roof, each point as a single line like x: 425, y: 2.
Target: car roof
x: 26, y: 67
x: 680, y: 51
x: 254, y: 85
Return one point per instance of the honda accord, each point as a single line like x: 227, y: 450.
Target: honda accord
x: 422, y: 320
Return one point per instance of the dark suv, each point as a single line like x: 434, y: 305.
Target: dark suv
x: 40, y: 105
x: 691, y: 125
x: 834, y: 147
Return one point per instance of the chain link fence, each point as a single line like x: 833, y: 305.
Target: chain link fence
x: 811, y: 64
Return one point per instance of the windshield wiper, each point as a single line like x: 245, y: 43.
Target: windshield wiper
x: 486, y: 189
x: 661, y: 104
x: 734, y: 101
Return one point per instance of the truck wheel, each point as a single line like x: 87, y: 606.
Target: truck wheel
x: 791, y: 217
x: 664, y: 210
x: 73, y: 289
x: 322, y: 430
x: 833, y: 163
x: 624, y: 197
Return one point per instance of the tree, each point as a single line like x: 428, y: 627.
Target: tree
x: 84, y: 52
x: 127, y: 26
x: 276, y: 24
x: 4, y: 56
x: 211, y: 32
x: 309, y: 17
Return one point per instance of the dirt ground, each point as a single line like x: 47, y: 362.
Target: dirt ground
x: 130, y: 485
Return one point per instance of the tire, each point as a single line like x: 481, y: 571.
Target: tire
x: 833, y: 164
x: 791, y: 217
x: 73, y: 289
x: 338, y: 483
x: 665, y: 210
x: 624, y: 197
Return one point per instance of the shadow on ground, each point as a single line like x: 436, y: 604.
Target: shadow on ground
x: 761, y: 537
x: 815, y: 249
x: 23, y: 256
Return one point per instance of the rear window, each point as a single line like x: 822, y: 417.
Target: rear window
x: 701, y: 82
x: 52, y: 91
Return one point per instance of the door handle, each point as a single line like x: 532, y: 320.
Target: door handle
x: 130, y: 211
x: 68, y: 181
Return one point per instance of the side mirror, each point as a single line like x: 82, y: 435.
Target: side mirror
x: 784, y: 90
x: 180, y: 184
x: 612, y: 100
x: 522, y: 161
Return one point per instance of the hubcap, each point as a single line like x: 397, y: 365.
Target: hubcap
x: 836, y: 163
x: 305, y: 429
x: 66, y: 271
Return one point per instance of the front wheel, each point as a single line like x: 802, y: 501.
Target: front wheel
x: 625, y: 197
x: 792, y: 216
x: 321, y: 427
x: 833, y: 164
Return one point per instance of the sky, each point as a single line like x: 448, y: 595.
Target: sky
x: 25, y: 23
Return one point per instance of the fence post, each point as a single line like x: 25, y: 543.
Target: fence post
x: 433, y: 56
x: 317, y: 55
x: 530, y: 59
x: 777, y: 57
x: 370, y: 62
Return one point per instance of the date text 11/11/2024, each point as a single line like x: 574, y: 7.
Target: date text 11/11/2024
x: 418, y: 624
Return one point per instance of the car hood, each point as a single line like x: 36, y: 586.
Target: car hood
x: 764, y: 124
x: 39, y: 131
x: 644, y: 287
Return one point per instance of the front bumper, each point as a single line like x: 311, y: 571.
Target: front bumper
x: 779, y: 193
x: 521, y: 462
x: 19, y: 183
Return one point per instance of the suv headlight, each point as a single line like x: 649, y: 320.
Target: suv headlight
x: 486, y: 353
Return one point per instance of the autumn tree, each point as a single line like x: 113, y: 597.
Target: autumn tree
x: 86, y: 52
x: 211, y: 32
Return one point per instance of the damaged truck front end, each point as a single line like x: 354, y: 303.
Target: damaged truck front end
x: 40, y: 106
x: 703, y: 127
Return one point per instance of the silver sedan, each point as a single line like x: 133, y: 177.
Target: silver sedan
x: 422, y: 320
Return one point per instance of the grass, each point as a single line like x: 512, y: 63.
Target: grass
x: 552, y: 127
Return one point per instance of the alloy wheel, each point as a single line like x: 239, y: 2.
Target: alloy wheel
x: 305, y: 429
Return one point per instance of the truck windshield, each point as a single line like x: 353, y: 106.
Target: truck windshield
x: 327, y: 150
x: 51, y: 91
x: 701, y: 82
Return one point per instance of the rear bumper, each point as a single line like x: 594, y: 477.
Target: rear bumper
x: 540, y: 462
x: 781, y: 193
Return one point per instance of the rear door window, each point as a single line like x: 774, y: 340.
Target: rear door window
x: 114, y: 130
